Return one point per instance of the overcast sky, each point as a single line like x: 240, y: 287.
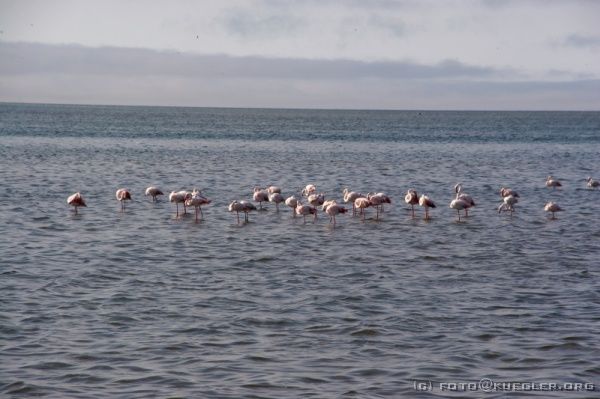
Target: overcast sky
x: 370, y: 54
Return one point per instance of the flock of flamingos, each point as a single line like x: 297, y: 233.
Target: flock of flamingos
x: 359, y: 202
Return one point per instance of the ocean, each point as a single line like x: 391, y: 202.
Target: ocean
x: 140, y: 304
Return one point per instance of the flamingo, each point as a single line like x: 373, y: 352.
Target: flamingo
x: 304, y: 210
x: 237, y: 208
x: 76, y: 200
x: 247, y: 208
x: 273, y: 190
x: 260, y: 196
x: 505, y: 192
x: 327, y: 204
x: 179, y: 197
x: 362, y: 203
x: 468, y: 200
x: 426, y: 203
x: 292, y: 202
x: 333, y: 209
x: 316, y: 200
x: 382, y: 198
x: 123, y: 195
x: 154, y: 192
x: 308, y: 190
x: 351, y: 196
x: 412, y: 198
x: 591, y: 183
x: 277, y: 198
x: 508, y: 204
x: 552, y: 182
x: 377, y: 200
x: 552, y: 207
x: 197, y: 200
x: 459, y: 204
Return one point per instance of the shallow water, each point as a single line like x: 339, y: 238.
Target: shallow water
x: 140, y: 303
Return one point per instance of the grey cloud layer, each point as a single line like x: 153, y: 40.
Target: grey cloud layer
x: 75, y: 74
x: 24, y: 58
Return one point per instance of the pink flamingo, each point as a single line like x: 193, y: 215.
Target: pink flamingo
x: 277, y: 198
x: 362, y: 203
x: 332, y: 209
x: 273, y: 190
x: 76, y: 200
x: 154, y: 192
x: 552, y: 207
x: 303, y: 210
x: 123, y: 195
x: 412, y: 199
x: 197, y: 200
x: 260, y: 196
x: 426, y: 203
x: 377, y: 200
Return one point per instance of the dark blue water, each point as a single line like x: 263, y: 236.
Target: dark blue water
x: 142, y: 304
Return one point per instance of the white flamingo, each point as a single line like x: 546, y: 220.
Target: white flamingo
x: 154, y: 192
x: 412, y: 199
x: 459, y: 204
x: 197, y: 200
x: 122, y: 196
x: 273, y: 190
x: 308, y: 190
x: 468, y: 200
x: 76, y: 200
x: 552, y: 207
x: 552, y: 182
x: 508, y: 204
x: 426, y: 203
x: 350, y: 197
x: 236, y: 207
x: 316, y: 200
x: 505, y: 192
x: 292, y: 202
x: 179, y: 197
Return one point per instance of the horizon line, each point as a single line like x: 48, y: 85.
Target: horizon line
x: 298, y: 108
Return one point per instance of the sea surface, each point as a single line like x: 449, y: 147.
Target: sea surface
x: 140, y: 304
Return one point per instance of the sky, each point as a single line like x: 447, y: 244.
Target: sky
x: 353, y: 54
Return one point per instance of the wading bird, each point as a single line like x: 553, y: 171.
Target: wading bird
x: 154, y: 192
x: 76, y: 200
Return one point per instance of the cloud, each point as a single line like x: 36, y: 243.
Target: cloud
x: 109, y: 75
x: 245, y: 24
x: 576, y: 40
x: 29, y: 58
